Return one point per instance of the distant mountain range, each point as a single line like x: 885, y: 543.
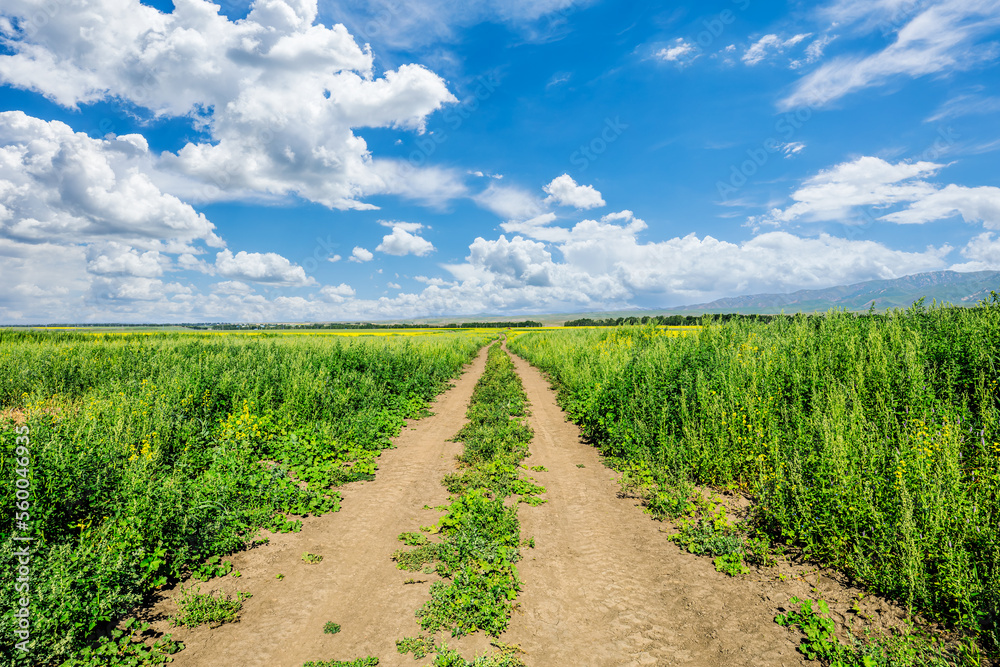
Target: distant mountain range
x: 961, y: 289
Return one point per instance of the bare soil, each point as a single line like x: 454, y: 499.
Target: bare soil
x: 602, y: 587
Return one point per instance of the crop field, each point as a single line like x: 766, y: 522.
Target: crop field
x: 150, y: 454
x: 870, y: 444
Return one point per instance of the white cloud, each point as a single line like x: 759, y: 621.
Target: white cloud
x: 401, y: 242
x: 278, y: 95
x: 564, y: 191
x: 980, y: 204
x: 768, y: 45
x: 392, y: 285
x: 594, y: 265
x: 360, y: 255
x: 814, y: 51
x: 259, y: 267
x: 682, y: 53
x: 59, y: 185
x: 405, y: 226
x: 942, y: 37
x: 509, y: 202
x: 117, y: 259
x: 983, y: 253
x: 232, y: 287
x: 334, y: 258
x: 337, y: 293
x: 792, y: 148
x: 835, y: 193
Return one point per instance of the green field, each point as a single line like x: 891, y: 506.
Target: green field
x: 148, y: 454
x: 869, y: 443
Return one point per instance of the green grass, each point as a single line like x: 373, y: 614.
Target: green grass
x: 869, y: 443
x: 359, y: 662
x: 196, y: 608
x: 151, y: 454
x: 480, y: 535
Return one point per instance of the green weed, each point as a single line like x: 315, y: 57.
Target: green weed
x: 126, y: 647
x: 869, y: 443
x: 198, y: 608
x: 480, y: 535
x: 419, y: 646
x: 331, y: 628
x: 213, y: 567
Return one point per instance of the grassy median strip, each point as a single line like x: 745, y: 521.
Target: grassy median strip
x: 480, y: 536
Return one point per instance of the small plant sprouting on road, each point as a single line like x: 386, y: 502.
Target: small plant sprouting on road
x: 580, y: 465
x: 331, y: 628
x: 539, y: 469
x: 198, y: 608
x: 419, y: 646
x: 505, y: 656
x: 311, y: 559
x: 359, y: 662
x: 413, y: 539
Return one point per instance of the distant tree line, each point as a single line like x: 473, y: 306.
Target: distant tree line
x: 669, y: 320
x: 367, y: 325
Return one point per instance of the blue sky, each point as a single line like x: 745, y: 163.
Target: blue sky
x: 293, y: 161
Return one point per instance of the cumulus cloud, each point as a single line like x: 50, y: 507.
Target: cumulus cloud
x: 337, y: 293
x: 116, y: 259
x: 938, y: 37
x: 768, y: 45
x: 277, y: 94
x: 402, y: 242
x: 593, y: 265
x: 259, y: 267
x: 835, y: 194
x: 564, y: 191
x: 982, y: 253
x: 361, y: 255
x: 60, y: 185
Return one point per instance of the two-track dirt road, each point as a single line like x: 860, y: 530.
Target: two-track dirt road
x: 602, y: 587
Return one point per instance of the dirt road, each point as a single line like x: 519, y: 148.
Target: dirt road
x: 602, y: 587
